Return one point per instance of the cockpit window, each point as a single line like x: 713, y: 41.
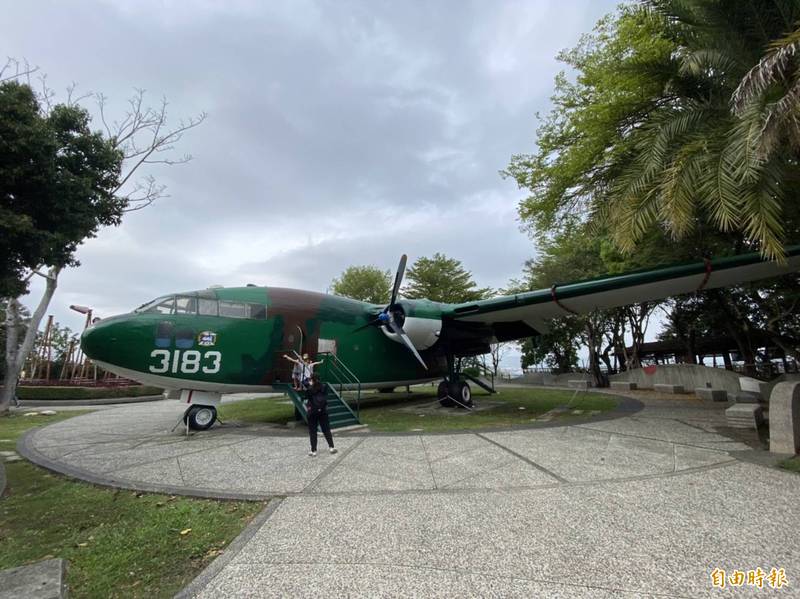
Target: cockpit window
x: 207, y: 307
x: 162, y: 305
x: 185, y: 305
x: 232, y: 309
x: 257, y: 311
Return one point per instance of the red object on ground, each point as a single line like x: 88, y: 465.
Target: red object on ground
x: 650, y: 369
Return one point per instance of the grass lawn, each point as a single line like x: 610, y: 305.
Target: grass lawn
x: 390, y: 411
x: 118, y: 543
x: 791, y: 464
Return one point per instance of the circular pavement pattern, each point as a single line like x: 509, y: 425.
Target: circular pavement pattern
x: 644, y: 505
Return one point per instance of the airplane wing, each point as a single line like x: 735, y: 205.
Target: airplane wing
x: 528, y: 314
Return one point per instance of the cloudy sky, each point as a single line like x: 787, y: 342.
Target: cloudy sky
x: 338, y: 133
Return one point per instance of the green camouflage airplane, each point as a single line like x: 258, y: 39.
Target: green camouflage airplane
x: 229, y: 340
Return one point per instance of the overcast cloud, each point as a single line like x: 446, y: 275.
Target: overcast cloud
x: 338, y: 133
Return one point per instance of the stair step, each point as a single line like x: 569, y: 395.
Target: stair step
x: 338, y: 417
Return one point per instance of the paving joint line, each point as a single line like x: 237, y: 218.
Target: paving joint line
x: 517, y: 488
x: 330, y: 467
x: 430, y: 464
x: 161, y: 459
x: 694, y: 426
x: 511, y: 460
x: 180, y: 470
x: 684, y: 444
x: 674, y: 458
x: 524, y: 459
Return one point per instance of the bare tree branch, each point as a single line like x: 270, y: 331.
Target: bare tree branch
x: 15, y: 69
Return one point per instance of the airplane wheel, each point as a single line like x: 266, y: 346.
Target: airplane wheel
x: 442, y: 394
x: 465, y: 394
x: 201, y: 418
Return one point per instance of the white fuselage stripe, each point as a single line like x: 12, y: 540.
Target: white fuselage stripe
x: 167, y: 382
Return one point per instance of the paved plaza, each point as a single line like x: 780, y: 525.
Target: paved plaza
x: 642, y: 505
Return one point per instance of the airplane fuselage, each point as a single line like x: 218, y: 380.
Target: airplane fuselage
x: 234, y: 339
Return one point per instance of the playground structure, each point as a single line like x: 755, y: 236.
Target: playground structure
x: 70, y: 368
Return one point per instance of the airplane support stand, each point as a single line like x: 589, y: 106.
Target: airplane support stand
x: 183, y: 420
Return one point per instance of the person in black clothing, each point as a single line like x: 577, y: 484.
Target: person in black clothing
x: 317, y: 410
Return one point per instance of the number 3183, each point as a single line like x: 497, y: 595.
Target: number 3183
x: 190, y: 361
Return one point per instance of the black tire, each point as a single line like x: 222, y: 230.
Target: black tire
x: 443, y: 395
x: 386, y: 390
x: 201, y: 418
x: 464, y: 394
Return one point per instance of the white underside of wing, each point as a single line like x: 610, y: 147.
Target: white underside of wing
x: 538, y: 315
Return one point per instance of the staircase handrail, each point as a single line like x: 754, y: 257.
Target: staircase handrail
x: 344, y: 402
x: 341, y: 371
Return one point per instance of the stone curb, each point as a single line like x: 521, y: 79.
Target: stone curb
x: 26, y: 450
x: 211, y: 571
x: 46, y: 579
x: 54, y: 403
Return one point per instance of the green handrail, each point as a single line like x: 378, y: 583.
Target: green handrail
x: 344, y: 376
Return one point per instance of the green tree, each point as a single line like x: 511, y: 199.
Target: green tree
x: 557, y: 348
x: 365, y: 283
x: 645, y: 136
x: 442, y: 279
x: 583, y: 252
x: 57, y: 183
x: 60, y: 182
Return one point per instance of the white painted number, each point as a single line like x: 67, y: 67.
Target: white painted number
x: 191, y: 361
x: 164, y: 365
x: 186, y: 362
x: 216, y: 358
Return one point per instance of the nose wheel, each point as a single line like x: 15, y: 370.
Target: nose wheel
x: 457, y: 393
x: 200, y: 418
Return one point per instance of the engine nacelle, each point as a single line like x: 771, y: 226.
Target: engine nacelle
x: 423, y: 332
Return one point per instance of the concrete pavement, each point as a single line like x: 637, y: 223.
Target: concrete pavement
x: 646, y: 505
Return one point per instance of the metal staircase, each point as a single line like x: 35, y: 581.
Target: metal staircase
x: 338, y: 380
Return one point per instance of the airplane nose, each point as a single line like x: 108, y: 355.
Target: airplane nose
x: 91, y: 343
x: 98, y: 341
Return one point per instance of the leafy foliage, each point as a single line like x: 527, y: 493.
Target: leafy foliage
x: 365, y: 283
x: 645, y: 136
x: 57, y: 183
x: 442, y: 279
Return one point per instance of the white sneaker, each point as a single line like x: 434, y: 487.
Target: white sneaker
x: 312, y: 454
x: 334, y: 450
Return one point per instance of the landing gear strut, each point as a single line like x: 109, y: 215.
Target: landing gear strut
x: 453, y: 391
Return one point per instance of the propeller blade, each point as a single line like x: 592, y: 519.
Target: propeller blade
x: 398, y: 278
x: 371, y: 322
x: 402, y: 334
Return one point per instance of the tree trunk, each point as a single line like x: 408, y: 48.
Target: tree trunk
x: 16, y: 356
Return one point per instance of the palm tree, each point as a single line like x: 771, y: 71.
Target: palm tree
x: 693, y: 159
x: 770, y: 94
